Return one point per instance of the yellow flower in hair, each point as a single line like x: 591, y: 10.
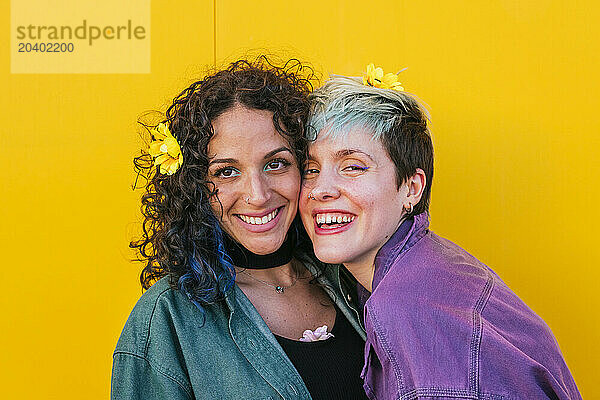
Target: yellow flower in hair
x: 376, y: 78
x: 165, y: 150
x: 373, y: 76
x: 390, y: 81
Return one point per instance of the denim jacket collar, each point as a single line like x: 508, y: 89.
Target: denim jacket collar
x: 259, y: 346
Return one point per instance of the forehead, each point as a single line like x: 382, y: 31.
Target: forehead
x: 358, y: 138
x: 244, y: 131
x: 240, y: 117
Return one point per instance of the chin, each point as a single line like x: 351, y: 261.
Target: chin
x: 330, y: 256
x: 262, y: 247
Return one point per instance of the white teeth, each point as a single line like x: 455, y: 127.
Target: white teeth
x: 333, y: 218
x: 258, y: 220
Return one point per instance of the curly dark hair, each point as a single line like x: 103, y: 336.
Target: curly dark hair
x: 181, y: 235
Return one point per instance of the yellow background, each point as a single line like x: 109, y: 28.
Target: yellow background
x: 513, y: 90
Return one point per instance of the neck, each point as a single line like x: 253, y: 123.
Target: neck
x: 283, y: 275
x: 363, y: 270
x: 244, y: 258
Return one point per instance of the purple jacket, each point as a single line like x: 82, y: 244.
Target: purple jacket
x: 440, y: 324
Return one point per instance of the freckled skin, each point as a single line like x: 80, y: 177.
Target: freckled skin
x: 363, y: 183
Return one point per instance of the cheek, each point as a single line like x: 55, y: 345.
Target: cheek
x: 362, y: 195
x: 304, y: 189
x: 386, y: 212
x: 303, y: 199
x: 294, y: 193
x: 376, y: 217
x: 372, y: 204
x: 290, y: 186
x: 305, y: 215
x: 217, y: 206
x: 226, y: 196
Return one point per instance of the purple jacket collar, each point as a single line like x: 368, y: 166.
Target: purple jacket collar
x: 408, y: 233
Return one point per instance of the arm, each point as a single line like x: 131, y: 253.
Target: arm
x: 134, y: 377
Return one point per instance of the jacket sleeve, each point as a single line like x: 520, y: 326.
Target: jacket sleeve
x: 134, y: 377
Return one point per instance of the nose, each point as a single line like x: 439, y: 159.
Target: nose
x: 258, y: 190
x: 323, y: 187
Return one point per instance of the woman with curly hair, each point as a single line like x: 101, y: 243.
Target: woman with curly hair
x: 235, y: 306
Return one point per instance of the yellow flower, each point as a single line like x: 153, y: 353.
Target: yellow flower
x: 376, y: 78
x: 373, y: 76
x: 165, y: 150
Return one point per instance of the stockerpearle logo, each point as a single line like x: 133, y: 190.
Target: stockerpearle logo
x: 80, y: 36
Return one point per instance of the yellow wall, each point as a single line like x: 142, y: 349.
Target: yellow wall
x: 512, y: 87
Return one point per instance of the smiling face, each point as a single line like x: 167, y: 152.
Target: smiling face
x: 257, y: 178
x: 355, y: 204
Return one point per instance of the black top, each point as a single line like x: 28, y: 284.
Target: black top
x: 327, y: 366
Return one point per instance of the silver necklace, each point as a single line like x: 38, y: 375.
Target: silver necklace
x: 278, y: 288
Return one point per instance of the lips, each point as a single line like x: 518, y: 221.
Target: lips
x: 260, y: 222
x: 328, y: 222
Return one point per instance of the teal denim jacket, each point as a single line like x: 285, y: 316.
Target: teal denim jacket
x: 166, y: 351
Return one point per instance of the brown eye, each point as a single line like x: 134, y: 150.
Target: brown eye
x: 355, y: 167
x: 309, y: 172
x: 227, y: 172
x: 276, y: 164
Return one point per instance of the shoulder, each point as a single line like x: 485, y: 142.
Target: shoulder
x: 161, y: 314
x: 453, y: 269
x: 437, y: 296
x: 136, y: 333
x: 435, y: 270
x: 434, y: 285
x: 437, y: 273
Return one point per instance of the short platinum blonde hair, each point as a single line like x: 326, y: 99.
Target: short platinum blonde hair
x: 398, y: 119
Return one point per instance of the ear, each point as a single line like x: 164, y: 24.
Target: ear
x: 416, y: 186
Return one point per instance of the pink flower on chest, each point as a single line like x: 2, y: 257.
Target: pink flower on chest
x: 316, y: 335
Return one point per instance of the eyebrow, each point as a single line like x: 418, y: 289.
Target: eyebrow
x: 279, y: 150
x: 234, y: 161
x: 346, y: 152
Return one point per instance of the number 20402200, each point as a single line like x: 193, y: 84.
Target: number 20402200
x: 49, y: 47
